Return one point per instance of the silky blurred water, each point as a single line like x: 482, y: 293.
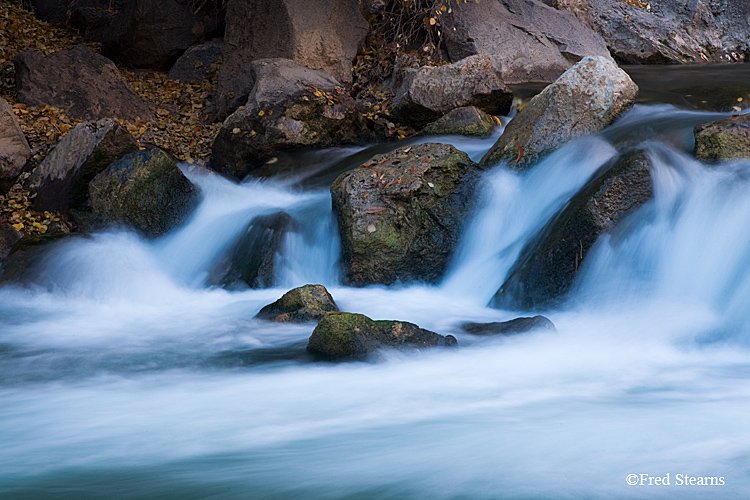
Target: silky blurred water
x: 124, y: 375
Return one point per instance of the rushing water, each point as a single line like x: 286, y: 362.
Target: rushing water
x: 122, y: 375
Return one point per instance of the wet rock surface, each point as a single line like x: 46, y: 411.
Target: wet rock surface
x: 513, y: 326
x: 723, y: 139
x: 14, y: 149
x: 305, y: 303
x: 401, y: 214
x: 355, y: 336
x: 463, y: 121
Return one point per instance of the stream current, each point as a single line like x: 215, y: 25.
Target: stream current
x: 123, y: 375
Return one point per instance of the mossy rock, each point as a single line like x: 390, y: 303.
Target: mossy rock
x: 401, y: 214
x: 305, y: 303
x: 467, y: 120
x: 355, y: 336
x: 723, y: 139
x: 145, y: 189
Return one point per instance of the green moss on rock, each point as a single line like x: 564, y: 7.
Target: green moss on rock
x: 305, y: 303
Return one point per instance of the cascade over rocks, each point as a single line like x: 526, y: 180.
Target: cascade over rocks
x: 547, y: 266
x: 323, y: 35
x: 147, y: 34
x: 305, y: 303
x: 251, y: 261
x: 723, y: 139
x: 517, y: 325
x: 80, y: 81
x: 61, y: 181
x: 290, y: 107
x: 14, y: 149
x: 585, y: 99
x: 427, y: 93
x: 144, y: 189
x: 467, y: 120
x: 355, y: 336
x: 526, y: 40
x: 673, y: 31
x: 400, y: 214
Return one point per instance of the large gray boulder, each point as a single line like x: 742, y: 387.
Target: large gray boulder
x: 548, y: 265
x: 80, y: 81
x: 290, y: 107
x: 401, y: 214
x: 61, y: 181
x: 301, y: 304
x: 355, y: 336
x: 427, y: 93
x: 144, y: 189
x: 526, y: 40
x: 322, y: 34
x: 14, y: 149
x: 723, y: 139
x: 673, y: 31
x: 585, y: 99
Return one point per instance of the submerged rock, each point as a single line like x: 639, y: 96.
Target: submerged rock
x: 427, y: 93
x: 723, y: 139
x: 145, y: 189
x: 251, y: 261
x: 305, y: 303
x: 401, y: 214
x: 467, y: 120
x: 547, y: 266
x: 290, y: 107
x: 354, y: 336
x: 585, y: 99
x: 518, y: 325
x: 62, y: 180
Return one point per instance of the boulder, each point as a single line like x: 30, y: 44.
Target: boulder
x: 290, y: 107
x: 467, y: 120
x: 585, y: 99
x: 305, y: 303
x: 518, y: 325
x: 80, y: 81
x: 355, y: 336
x: 14, y: 150
x: 401, y: 214
x: 547, y: 266
x: 61, y: 181
x: 8, y: 239
x: 427, y: 93
x: 251, y: 260
x: 144, y: 189
x: 526, y: 40
x: 323, y: 35
x: 673, y: 31
x: 195, y: 65
x: 147, y: 34
x: 723, y: 139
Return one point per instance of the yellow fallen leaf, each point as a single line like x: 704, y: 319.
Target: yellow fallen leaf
x: 261, y: 113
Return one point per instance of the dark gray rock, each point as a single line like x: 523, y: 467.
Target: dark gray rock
x: 463, y: 121
x: 585, y: 99
x: 547, y: 266
x: 290, y: 107
x: 526, y: 40
x: 323, y: 35
x: 148, y: 34
x: 80, y: 81
x: 14, y: 150
x: 305, y: 303
x: 723, y: 139
x: 673, y: 31
x: 401, y: 214
x: 355, y: 336
x: 194, y: 65
x: 8, y: 239
x: 518, y: 325
x: 62, y: 180
x: 427, y: 93
x: 251, y: 261
x: 146, y: 190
